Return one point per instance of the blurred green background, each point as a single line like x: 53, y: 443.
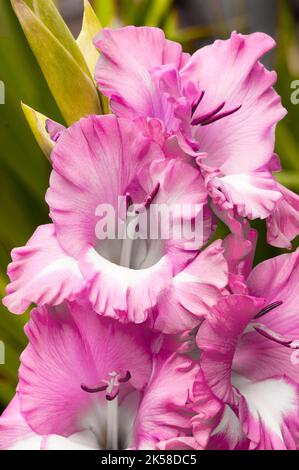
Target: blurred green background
x: 24, y: 170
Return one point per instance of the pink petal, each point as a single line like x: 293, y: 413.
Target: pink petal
x: 269, y: 412
x: 230, y: 73
x: 94, y: 161
x: 41, y: 273
x: 257, y: 357
x: 124, y: 293
x: 254, y: 195
x: 123, y: 73
x: 14, y: 429
x: 69, y: 347
x: 283, y: 223
x: 193, y: 291
x: 163, y: 414
x: 218, y: 338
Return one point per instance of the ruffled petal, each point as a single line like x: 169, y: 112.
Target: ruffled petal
x: 163, y: 413
x: 218, y: 337
x: 193, y: 292
x: 230, y: 73
x: 283, y: 223
x: 124, y: 293
x: 42, y: 273
x: 255, y: 195
x: 123, y: 72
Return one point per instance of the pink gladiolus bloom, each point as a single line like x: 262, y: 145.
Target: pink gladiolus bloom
x: 220, y: 107
x: 249, y: 360
x: 96, y: 161
x: 94, y: 383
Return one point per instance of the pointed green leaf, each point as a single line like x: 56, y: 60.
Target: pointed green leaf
x: 106, y: 11
x: 73, y: 90
x: 49, y: 15
x: 37, y: 123
x: 90, y: 27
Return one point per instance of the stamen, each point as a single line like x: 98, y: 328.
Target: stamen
x: 112, y: 425
x: 110, y: 385
x: 276, y: 337
x: 129, y: 200
x: 96, y: 389
x: 125, y: 378
x: 221, y: 116
x: 269, y: 309
x: 197, y: 102
x: 149, y: 199
x: 207, y: 116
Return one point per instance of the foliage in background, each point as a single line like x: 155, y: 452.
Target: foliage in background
x: 67, y: 76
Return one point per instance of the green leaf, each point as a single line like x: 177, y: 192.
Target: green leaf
x: 287, y: 146
x: 106, y: 11
x: 90, y: 27
x: 157, y: 10
x: 47, y: 12
x: 73, y: 90
x: 37, y: 123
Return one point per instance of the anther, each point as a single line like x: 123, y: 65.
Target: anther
x: 268, y: 309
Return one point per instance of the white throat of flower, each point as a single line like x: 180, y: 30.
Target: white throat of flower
x: 111, y: 421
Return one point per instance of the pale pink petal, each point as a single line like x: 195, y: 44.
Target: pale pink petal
x: 269, y: 413
x: 124, y: 293
x: 41, y: 273
x: 283, y: 223
x: 69, y: 347
x: 229, y: 72
x: 254, y: 195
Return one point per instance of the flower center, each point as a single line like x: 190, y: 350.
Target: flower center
x: 136, y: 247
x: 111, y: 386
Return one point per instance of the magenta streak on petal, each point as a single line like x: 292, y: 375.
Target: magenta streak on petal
x: 269, y: 308
x: 197, y: 102
x: 207, y: 116
x: 221, y: 116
